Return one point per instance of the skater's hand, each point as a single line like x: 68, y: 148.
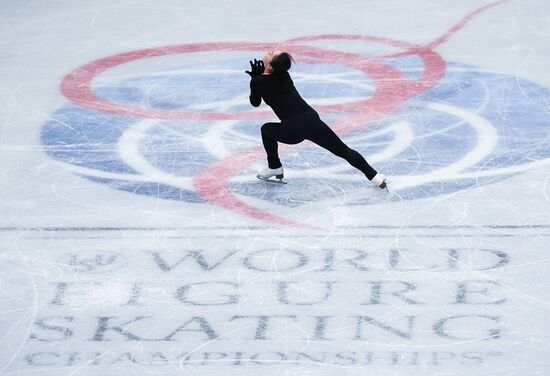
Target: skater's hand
x: 256, y: 68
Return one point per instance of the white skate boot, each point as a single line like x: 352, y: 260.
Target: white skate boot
x: 380, y: 181
x: 267, y: 173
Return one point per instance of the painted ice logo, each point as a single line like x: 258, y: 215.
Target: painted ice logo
x: 175, y: 123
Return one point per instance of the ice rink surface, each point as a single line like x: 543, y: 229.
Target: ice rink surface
x: 136, y: 240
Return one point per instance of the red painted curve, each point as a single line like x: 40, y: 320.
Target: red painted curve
x: 455, y: 28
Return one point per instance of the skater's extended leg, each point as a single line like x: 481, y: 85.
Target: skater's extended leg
x: 323, y: 136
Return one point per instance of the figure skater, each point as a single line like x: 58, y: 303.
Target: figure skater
x: 271, y: 82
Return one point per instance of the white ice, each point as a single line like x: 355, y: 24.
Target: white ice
x: 113, y: 261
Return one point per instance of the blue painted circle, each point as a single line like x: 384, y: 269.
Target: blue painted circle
x: 515, y: 108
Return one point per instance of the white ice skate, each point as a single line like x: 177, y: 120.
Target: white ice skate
x: 267, y: 173
x: 380, y: 181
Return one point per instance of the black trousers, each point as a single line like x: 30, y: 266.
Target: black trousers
x: 308, y: 126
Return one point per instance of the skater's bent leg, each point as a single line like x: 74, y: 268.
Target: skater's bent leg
x: 272, y: 133
x: 327, y: 139
x: 270, y: 145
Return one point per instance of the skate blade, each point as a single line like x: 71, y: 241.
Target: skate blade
x: 385, y: 188
x: 278, y: 181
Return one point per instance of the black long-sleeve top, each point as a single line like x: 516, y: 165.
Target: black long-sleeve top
x: 279, y: 93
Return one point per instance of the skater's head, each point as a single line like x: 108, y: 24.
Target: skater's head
x: 277, y: 62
